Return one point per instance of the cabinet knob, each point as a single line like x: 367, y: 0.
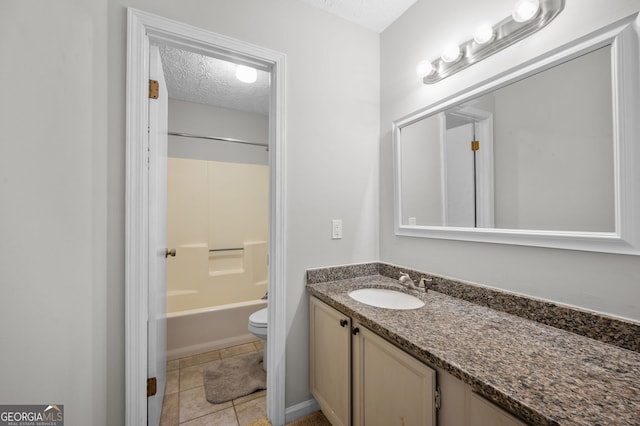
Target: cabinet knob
x: 343, y: 322
x: 168, y: 252
x: 355, y: 331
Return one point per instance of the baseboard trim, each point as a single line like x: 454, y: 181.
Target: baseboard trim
x: 209, y: 346
x: 300, y: 410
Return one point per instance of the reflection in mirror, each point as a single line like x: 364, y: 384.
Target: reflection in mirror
x: 537, y: 154
x: 545, y: 154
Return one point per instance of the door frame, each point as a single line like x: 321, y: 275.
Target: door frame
x: 141, y: 28
x: 483, y: 120
x: 157, y: 318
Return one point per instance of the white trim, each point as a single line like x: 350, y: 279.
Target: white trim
x: 623, y: 36
x: 444, y: 181
x: 141, y: 27
x: 301, y: 409
x: 277, y: 319
x: 212, y: 345
x: 136, y: 226
x: 486, y: 188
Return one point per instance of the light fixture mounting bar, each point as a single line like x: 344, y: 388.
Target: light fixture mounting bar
x: 507, y: 32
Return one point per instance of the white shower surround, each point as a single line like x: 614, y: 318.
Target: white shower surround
x: 196, y: 287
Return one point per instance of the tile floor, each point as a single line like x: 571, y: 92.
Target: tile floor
x: 185, y: 402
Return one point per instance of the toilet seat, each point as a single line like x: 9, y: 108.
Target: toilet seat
x: 258, y: 323
x: 258, y: 327
x: 259, y: 318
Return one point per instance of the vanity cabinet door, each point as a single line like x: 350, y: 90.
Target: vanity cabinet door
x: 390, y: 387
x: 484, y: 413
x: 330, y: 361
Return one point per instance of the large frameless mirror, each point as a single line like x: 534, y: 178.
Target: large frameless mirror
x: 545, y: 155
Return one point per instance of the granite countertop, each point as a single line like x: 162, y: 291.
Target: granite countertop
x: 544, y: 375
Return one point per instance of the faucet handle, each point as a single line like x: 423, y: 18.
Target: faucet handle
x: 404, y: 278
x: 424, y: 281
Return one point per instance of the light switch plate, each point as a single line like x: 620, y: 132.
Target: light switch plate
x: 336, y: 229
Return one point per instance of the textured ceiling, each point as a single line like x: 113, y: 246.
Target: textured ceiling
x: 201, y: 79
x: 375, y: 15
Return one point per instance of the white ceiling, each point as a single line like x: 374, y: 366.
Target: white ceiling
x: 201, y: 79
x: 193, y: 77
x: 375, y: 15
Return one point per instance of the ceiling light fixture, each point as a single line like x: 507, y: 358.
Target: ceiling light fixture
x: 246, y: 74
x: 527, y: 17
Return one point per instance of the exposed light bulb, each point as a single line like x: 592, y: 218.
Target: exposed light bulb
x: 451, y: 53
x: 424, y: 68
x: 525, y: 10
x: 484, y: 34
x: 246, y: 74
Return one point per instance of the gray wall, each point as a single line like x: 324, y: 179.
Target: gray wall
x: 553, y: 136
x: 421, y: 177
x: 62, y: 113
x: 62, y: 179
x: 206, y: 120
x: 56, y: 313
x: 602, y: 282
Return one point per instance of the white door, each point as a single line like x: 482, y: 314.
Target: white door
x: 460, y: 177
x: 157, y: 327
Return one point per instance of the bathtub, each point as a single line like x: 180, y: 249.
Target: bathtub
x: 195, y: 331
x: 210, y: 295
x: 201, y: 278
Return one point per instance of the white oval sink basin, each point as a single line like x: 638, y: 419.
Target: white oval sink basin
x: 385, y: 298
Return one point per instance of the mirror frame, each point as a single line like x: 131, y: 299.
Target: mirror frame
x: 624, y: 38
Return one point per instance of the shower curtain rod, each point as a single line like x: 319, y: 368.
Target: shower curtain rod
x: 216, y: 138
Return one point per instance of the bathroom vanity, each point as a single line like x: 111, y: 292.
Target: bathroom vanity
x: 354, y: 370
x: 453, y: 362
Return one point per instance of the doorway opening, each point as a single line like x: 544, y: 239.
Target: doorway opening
x: 217, y: 200
x: 144, y: 30
x: 467, y: 167
x: 217, y: 218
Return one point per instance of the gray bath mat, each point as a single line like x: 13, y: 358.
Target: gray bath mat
x: 232, y: 378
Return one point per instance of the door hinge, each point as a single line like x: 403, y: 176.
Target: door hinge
x: 438, y: 398
x: 154, y: 89
x: 152, y: 386
x: 475, y: 145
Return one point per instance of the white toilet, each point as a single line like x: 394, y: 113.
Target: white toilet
x: 258, y: 327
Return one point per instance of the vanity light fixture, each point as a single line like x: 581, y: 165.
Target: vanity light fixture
x: 525, y: 10
x: 424, y: 68
x: 484, y: 34
x: 246, y: 74
x: 528, y: 17
x: 451, y: 53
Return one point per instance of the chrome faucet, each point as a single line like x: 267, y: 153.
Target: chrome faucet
x: 425, y: 283
x: 408, y: 282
